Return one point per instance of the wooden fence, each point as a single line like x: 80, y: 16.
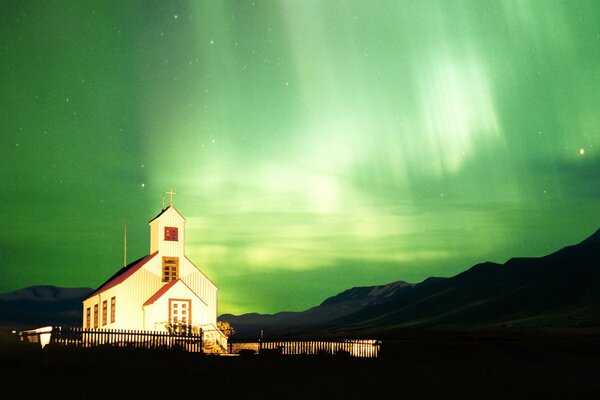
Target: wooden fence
x: 192, y: 341
x: 369, y: 348
x: 80, y: 337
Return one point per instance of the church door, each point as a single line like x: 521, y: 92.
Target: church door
x: 180, y: 311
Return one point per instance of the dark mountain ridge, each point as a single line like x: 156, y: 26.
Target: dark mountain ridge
x: 37, y: 306
x: 561, y: 289
x: 338, y: 306
x: 45, y: 293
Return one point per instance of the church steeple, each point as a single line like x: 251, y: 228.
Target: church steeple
x: 167, y: 231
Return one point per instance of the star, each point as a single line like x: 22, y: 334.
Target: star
x: 581, y: 151
x: 143, y: 185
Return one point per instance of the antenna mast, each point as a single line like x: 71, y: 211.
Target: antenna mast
x: 125, y: 248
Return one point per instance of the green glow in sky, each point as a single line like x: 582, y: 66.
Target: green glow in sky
x: 313, y: 145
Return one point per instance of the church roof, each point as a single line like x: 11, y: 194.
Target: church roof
x: 160, y: 292
x: 123, y: 274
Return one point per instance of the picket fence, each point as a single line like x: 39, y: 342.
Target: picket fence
x: 192, y: 341
x: 80, y: 337
x: 369, y: 348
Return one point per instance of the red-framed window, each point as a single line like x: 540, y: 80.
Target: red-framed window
x: 180, y: 311
x: 171, y: 233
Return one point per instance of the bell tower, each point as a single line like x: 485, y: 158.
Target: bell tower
x: 167, y: 232
x: 167, y: 237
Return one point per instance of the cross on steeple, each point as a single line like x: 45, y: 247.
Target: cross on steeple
x: 171, y: 193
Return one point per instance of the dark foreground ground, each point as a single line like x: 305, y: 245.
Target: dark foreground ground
x: 516, y: 365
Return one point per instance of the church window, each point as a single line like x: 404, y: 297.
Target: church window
x: 171, y: 233
x: 113, y: 305
x: 104, y: 312
x: 88, y: 322
x: 170, y: 268
x: 95, y: 315
x: 180, y: 311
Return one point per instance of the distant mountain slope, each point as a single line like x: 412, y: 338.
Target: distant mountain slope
x: 366, y: 295
x: 560, y: 289
x: 42, y: 305
x: 346, y: 303
x: 45, y: 293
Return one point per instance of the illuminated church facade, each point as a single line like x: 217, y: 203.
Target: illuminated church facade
x: 159, y: 292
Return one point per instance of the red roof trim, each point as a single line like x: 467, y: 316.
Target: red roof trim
x: 160, y: 292
x: 123, y: 274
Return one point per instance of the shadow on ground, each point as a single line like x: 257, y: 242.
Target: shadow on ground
x: 428, y: 366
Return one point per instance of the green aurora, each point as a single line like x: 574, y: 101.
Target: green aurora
x: 313, y: 145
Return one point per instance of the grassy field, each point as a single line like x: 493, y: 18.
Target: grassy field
x: 516, y: 365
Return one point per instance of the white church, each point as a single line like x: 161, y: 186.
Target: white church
x: 159, y: 292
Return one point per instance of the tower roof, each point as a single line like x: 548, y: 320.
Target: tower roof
x: 160, y: 213
x: 164, y: 211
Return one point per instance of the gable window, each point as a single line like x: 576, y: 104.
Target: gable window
x: 88, y: 317
x: 170, y: 268
x: 113, y: 304
x: 104, y: 312
x: 95, y: 315
x: 171, y: 233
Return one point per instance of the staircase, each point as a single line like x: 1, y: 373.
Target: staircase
x: 210, y: 347
x: 213, y: 340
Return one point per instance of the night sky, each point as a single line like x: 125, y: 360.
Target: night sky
x: 313, y: 145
